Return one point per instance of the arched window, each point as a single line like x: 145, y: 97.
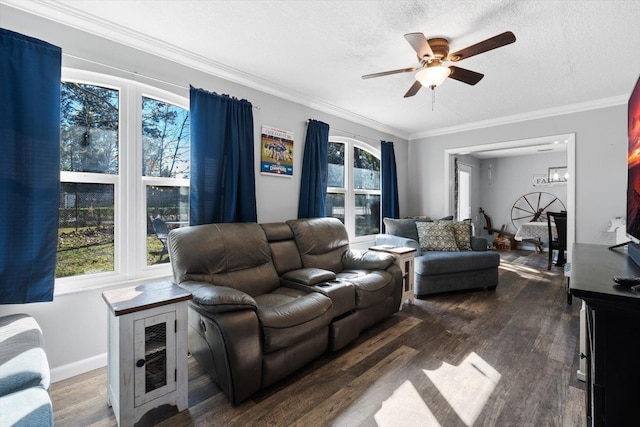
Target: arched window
x: 353, y: 193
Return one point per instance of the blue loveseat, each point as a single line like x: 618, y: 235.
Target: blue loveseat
x: 438, y: 271
x: 24, y: 374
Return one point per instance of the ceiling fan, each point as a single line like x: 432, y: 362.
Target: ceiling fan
x: 433, y: 52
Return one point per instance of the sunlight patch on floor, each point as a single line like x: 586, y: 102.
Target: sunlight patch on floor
x: 526, y: 272
x: 466, y: 387
x: 405, y: 407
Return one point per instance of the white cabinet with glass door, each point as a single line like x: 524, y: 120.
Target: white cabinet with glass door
x: 147, y: 349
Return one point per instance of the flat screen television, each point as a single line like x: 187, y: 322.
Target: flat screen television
x: 633, y: 168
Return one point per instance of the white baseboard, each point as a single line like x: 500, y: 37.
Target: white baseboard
x: 80, y: 367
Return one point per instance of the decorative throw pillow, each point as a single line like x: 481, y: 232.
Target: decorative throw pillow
x: 436, y: 236
x: 462, y: 233
x: 401, y: 227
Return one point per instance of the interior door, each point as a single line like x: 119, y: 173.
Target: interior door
x: 464, y: 191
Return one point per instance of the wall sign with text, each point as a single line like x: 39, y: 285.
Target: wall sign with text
x: 540, y: 181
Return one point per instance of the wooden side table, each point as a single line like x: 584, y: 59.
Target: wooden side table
x: 147, y: 349
x: 404, y: 260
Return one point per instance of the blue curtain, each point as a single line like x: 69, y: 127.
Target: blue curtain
x: 222, y: 182
x: 29, y: 167
x: 315, y: 175
x: 390, y: 205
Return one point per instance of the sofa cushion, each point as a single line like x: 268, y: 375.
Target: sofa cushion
x: 372, y: 287
x: 462, y: 234
x: 401, y: 227
x: 284, y: 252
x: 321, y: 242
x: 23, y: 361
x: 448, y: 262
x: 277, y: 231
x: 235, y: 255
x: 26, y: 408
x: 288, y: 315
x: 436, y: 236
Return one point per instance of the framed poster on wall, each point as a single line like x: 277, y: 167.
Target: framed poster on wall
x: 276, y: 152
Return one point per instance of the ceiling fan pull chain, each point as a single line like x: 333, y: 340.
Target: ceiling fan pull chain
x: 433, y: 97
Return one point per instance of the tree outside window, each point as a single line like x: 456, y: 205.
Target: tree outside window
x: 165, y: 167
x: 98, y: 179
x: 353, y: 193
x: 89, y: 129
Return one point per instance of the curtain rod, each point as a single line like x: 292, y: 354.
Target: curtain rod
x: 135, y: 73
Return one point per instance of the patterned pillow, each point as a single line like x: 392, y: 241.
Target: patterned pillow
x: 462, y: 233
x: 436, y: 236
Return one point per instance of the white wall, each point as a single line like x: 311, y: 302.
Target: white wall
x: 601, y: 168
x: 74, y: 325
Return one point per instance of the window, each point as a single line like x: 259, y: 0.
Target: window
x: 124, y: 162
x: 165, y: 166
x: 353, y: 193
x: 89, y: 133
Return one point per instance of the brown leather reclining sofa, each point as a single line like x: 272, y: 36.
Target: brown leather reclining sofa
x: 269, y: 298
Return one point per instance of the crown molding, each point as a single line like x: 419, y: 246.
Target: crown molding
x: 71, y: 17
x: 516, y: 118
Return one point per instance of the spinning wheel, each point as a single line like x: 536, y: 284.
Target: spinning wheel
x: 533, y: 207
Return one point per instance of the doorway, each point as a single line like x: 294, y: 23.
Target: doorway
x: 516, y: 148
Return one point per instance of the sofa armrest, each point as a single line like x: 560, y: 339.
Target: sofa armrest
x: 390, y: 239
x: 308, y: 276
x: 366, y: 260
x: 218, y: 299
x: 478, y: 243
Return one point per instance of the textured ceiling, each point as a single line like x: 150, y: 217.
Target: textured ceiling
x: 568, y: 54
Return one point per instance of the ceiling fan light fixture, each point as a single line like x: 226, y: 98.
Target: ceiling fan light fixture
x: 433, y: 76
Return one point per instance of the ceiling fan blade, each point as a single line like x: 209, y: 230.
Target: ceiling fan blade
x: 413, y: 89
x: 465, y: 76
x: 386, y: 73
x: 420, y: 44
x: 493, y: 43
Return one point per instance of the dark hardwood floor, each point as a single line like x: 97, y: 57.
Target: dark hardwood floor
x: 500, y: 358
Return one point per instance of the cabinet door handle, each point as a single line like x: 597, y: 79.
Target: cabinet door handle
x: 140, y: 363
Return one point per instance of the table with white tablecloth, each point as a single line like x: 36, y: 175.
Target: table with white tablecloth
x: 535, y: 230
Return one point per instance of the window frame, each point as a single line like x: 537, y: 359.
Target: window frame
x: 130, y: 247
x: 349, y: 191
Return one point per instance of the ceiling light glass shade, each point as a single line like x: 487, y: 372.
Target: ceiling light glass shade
x: 432, y: 76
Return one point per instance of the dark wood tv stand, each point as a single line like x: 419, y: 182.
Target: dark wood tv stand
x: 613, y: 332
